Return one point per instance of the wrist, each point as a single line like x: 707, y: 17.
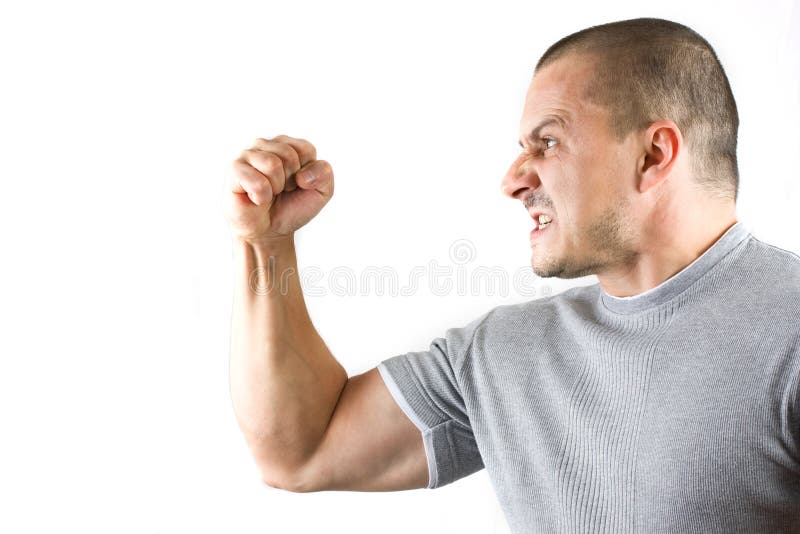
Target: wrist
x: 272, y: 245
x: 265, y: 266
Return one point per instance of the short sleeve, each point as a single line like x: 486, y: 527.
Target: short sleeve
x: 793, y: 395
x: 425, y: 386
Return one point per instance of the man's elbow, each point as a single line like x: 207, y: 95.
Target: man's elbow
x: 287, y: 481
x: 288, y: 472
x: 281, y: 485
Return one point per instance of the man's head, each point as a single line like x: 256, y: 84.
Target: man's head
x: 641, y: 125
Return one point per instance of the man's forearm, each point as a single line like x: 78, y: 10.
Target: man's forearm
x: 284, y: 381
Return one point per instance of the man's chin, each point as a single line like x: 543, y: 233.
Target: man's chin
x: 547, y: 269
x: 560, y: 269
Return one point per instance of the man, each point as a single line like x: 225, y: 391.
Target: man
x: 665, y: 398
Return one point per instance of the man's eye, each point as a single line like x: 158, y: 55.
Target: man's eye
x: 547, y: 140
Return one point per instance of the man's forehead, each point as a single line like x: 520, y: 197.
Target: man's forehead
x: 565, y: 80
x: 558, y: 90
x: 552, y: 106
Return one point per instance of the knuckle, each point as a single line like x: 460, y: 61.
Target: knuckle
x: 293, y: 159
x: 301, y: 147
x: 239, y: 164
x: 272, y: 160
x: 248, y: 154
x: 312, y: 150
x: 304, y: 145
x: 267, y: 161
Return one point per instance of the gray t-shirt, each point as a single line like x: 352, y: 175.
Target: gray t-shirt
x: 676, y: 410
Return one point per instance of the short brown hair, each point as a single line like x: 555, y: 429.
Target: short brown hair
x: 652, y: 69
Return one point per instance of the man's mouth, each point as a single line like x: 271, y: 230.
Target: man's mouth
x: 541, y: 223
x: 541, y: 219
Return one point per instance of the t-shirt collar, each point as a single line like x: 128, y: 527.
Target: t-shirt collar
x: 678, y: 282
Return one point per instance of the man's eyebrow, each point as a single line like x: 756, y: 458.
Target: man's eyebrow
x: 535, y: 132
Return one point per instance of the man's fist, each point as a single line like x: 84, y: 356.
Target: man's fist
x: 277, y: 186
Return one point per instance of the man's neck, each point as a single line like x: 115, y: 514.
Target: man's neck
x: 676, y: 247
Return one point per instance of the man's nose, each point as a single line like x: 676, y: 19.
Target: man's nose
x: 520, y: 177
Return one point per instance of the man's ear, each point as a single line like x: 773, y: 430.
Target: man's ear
x: 663, y: 143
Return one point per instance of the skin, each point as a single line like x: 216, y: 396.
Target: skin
x: 628, y: 211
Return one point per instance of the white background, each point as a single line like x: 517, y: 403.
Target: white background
x: 118, y: 123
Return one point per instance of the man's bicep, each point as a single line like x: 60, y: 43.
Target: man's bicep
x: 370, y: 443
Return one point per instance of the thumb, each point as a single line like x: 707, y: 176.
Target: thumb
x: 316, y: 175
x: 293, y: 209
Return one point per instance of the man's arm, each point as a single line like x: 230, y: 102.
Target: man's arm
x: 308, y: 426
x: 369, y: 445
x: 284, y: 381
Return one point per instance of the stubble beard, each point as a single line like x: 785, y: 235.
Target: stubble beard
x: 606, y: 242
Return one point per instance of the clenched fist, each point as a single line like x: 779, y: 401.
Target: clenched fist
x: 278, y: 185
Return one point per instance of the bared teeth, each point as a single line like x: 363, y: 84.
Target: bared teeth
x: 542, y: 221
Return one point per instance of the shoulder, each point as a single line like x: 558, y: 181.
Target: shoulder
x: 507, y: 320
x: 786, y: 259
x: 773, y: 270
x: 574, y: 297
x: 760, y: 290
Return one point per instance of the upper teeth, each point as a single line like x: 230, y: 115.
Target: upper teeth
x: 544, y: 219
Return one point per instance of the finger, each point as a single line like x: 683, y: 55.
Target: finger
x: 305, y: 150
x: 285, y: 151
x: 316, y: 175
x: 269, y: 164
x: 249, y: 180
